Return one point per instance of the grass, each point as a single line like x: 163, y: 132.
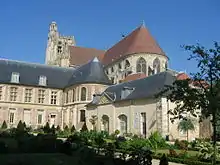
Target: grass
x: 36, y: 159
x: 166, y: 151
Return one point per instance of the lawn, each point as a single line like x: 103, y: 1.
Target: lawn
x: 38, y: 159
x: 166, y: 151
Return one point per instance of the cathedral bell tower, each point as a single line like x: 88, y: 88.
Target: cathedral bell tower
x: 57, y: 52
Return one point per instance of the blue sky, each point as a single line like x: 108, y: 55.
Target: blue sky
x: 100, y: 23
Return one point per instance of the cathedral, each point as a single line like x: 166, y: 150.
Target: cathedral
x: 114, y: 88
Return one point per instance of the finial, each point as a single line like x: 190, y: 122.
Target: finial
x: 95, y: 60
x: 143, y: 23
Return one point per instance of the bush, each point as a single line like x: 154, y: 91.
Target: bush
x: 46, y: 128
x: 84, y: 128
x: 163, y: 160
x: 73, y: 129
x: 4, y: 125
x: 182, y: 145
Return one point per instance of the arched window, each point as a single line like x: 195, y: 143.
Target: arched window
x: 150, y: 71
x: 119, y: 66
x: 156, y: 65
x: 112, y: 69
x: 123, y: 123
x: 83, y: 94
x: 105, y: 123
x: 82, y: 115
x: 166, y: 66
x: 127, y: 64
x: 141, y: 66
x: 73, y: 95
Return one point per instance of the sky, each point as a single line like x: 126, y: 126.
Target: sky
x: 24, y: 25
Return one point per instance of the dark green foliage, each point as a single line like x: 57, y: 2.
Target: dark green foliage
x: 163, y: 160
x: 66, y: 128
x: 73, y: 129
x: 84, y: 128
x: 53, y: 129
x: 20, y: 126
x: 46, y: 128
x: 3, y: 148
x: 182, y: 145
x: 24, y: 125
x: 58, y: 129
x: 4, y: 125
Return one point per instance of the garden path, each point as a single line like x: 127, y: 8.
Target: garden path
x: 157, y: 162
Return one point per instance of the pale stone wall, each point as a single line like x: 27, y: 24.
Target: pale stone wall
x: 20, y: 105
x: 157, y: 118
x: 120, y: 74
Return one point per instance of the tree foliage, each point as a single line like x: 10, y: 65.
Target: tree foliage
x: 201, y: 90
x: 186, y: 125
x: 4, y: 125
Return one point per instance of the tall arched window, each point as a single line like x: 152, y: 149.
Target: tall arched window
x: 82, y: 115
x: 141, y: 66
x: 123, y: 123
x: 127, y: 64
x: 73, y: 95
x: 156, y: 65
x: 83, y: 94
x: 105, y: 123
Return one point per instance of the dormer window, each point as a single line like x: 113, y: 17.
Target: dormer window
x: 15, y: 77
x: 43, y: 80
x: 126, y: 91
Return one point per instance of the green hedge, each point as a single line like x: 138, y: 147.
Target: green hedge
x: 184, y: 161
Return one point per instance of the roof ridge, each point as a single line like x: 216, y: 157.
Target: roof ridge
x: 86, y: 47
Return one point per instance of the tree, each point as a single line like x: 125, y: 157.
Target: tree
x: 58, y: 129
x: 73, y: 129
x: 84, y: 128
x: 53, y: 129
x: 186, y: 125
x: 20, y: 126
x: 201, y: 90
x: 4, y: 125
x: 46, y: 128
x: 93, y: 120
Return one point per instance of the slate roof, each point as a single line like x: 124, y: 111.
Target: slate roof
x: 138, y: 41
x: 81, y: 55
x: 143, y: 88
x: 57, y: 77
x: 91, y: 72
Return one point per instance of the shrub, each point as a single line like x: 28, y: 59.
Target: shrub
x: 58, y: 129
x: 53, y: 130
x: 84, y: 128
x: 172, y: 152
x: 4, y: 125
x: 46, y: 128
x: 183, y: 144
x: 163, y: 160
x: 73, y: 129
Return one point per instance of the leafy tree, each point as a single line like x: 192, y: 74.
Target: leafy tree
x: 46, y: 128
x: 20, y: 126
x: 186, y: 125
x: 93, y: 120
x: 73, y: 129
x: 84, y: 128
x: 58, y: 128
x: 53, y: 129
x: 4, y: 125
x: 204, y: 95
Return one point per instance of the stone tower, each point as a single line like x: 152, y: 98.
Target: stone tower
x: 57, y: 52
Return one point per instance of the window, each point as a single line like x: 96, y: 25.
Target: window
x: 41, y: 96
x: 27, y: 116
x: 67, y: 97
x: 127, y: 64
x: 105, y: 123
x: 82, y: 116
x: 112, y: 69
x: 59, y: 49
x: 119, y: 65
x: 12, y: 116
x: 40, y: 117
x: 1, y: 93
x: 83, y: 94
x: 13, y: 93
x: 43, y: 80
x: 112, y: 80
x: 123, y: 123
x: 53, y: 97
x: 156, y: 65
x: 73, y: 99
x: 141, y: 66
x: 15, y: 77
x: 28, y: 95
x: 143, y: 124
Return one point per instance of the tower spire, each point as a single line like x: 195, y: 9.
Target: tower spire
x: 143, y: 23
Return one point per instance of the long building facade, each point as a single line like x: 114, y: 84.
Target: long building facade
x: 116, y: 87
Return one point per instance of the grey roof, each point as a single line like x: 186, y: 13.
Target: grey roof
x: 143, y: 88
x: 57, y: 77
x: 91, y: 72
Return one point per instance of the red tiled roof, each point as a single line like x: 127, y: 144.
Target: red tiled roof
x: 134, y: 77
x: 138, y: 41
x: 81, y: 55
x: 182, y: 76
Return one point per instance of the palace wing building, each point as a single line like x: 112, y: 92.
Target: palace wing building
x: 117, y: 86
